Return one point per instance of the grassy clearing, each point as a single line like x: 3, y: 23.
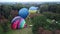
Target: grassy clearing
x: 27, y: 30
x: 21, y: 31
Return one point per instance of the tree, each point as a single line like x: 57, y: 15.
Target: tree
x: 44, y: 8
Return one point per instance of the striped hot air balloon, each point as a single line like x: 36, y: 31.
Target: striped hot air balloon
x: 18, y: 23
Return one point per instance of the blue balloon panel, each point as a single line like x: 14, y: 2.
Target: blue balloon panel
x: 23, y: 12
x: 33, y: 8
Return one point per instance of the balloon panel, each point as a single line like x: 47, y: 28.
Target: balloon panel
x: 23, y: 12
x: 14, y: 19
x: 14, y: 25
x: 33, y: 8
x: 19, y: 23
x: 32, y: 11
x: 22, y: 23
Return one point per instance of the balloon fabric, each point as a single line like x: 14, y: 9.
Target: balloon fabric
x: 33, y: 9
x: 17, y: 23
x: 23, y: 12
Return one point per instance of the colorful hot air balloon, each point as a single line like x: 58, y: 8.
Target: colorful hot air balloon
x: 23, y: 12
x: 18, y: 22
x: 33, y: 9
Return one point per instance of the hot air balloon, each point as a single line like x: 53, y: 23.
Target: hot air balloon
x: 33, y: 9
x: 23, y: 12
x: 18, y: 22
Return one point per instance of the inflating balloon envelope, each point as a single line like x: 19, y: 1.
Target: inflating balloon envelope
x: 23, y: 12
x: 33, y: 9
x: 18, y: 23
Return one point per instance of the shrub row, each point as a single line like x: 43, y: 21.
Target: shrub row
x: 51, y: 15
x: 41, y: 21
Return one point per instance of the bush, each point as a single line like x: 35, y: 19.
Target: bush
x: 51, y: 15
x: 39, y: 21
x: 57, y: 16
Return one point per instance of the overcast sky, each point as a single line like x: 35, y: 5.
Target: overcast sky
x: 29, y: 0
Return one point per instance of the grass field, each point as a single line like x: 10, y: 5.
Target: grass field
x: 27, y: 30
x: 21, y: 31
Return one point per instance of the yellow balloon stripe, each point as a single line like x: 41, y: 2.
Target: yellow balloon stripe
x: 32, y: 11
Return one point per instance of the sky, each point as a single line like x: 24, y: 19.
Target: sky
x: 29, y: 0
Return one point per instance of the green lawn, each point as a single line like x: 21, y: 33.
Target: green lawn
x: 21, y: 31
x: 27, y: 30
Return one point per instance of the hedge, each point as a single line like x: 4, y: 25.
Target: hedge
x: 41, y: 21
